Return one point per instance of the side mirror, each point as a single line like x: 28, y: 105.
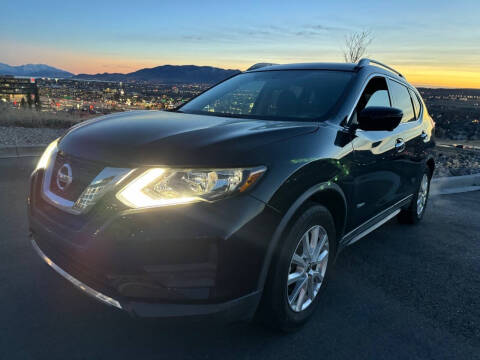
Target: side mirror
x: 379, y: 118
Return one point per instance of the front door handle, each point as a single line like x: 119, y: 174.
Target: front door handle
x: 400, y: 145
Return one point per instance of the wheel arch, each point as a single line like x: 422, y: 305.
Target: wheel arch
x: 327, y: 194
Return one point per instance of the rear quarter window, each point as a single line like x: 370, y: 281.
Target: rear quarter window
x: 416, y: 103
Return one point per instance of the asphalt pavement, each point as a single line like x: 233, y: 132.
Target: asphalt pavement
x: 403, y: 292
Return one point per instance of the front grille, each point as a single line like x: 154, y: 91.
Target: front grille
x: 83, y: 172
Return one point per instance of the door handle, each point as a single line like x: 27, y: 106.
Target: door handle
x: 400, y: 145
x: 423, y: 135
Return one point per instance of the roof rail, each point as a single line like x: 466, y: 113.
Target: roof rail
x: 259, y: 65
x: 364, y: 62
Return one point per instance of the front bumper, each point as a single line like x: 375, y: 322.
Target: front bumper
x: 203, y: 259
x: 237, y: 309
x: 87, y: 289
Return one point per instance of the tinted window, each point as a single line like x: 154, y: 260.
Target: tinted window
x: 375, y: 94
x: 401, y: 99
x: 274, y: 95
x: 238, y: 101
x: 416, y: 103
x: 379, y: 98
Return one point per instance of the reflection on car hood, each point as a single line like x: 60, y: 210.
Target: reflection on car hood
x: 169, y: 138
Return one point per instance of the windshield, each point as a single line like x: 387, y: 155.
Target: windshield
x: 303, y: 95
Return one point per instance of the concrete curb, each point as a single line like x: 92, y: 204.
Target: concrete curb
x: 455, y: 184
x: 21, y: 151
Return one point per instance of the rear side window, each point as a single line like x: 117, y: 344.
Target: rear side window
x: 416, y: 103
x: 401, y: 100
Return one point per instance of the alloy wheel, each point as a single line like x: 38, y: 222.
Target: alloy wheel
x: 422, y: 195
x: 307, y: 268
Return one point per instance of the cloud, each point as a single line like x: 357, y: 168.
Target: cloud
x: 193, y: 37
x: 268, y: 32
x: 326, y: 28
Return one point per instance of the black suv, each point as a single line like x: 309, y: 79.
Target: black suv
x: 236, y: 203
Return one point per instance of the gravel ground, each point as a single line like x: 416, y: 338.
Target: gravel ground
x: 456, y: 162
x: 28, y: 136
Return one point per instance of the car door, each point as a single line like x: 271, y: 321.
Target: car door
x: 379, y: 179
x: 410, y: 132
x: 419, y: 147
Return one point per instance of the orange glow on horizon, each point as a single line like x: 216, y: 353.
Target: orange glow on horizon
x: 422, y: 76
x: 448, y: 75
x: 451, y: 77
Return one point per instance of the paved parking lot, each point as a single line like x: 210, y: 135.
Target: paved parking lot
x: 400, y: 293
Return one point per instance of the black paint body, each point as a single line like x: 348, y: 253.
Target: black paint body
x: 205, y: 258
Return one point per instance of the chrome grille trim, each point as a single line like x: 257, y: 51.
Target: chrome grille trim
x: 113, y: 175
x: 102, y: 183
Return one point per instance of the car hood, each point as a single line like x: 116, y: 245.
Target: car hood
x: 170, y: 138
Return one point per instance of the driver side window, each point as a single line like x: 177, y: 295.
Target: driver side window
x: 378, y: 98
x: 375, y: 94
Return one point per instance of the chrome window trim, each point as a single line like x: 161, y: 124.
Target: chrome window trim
x: 85, y: 288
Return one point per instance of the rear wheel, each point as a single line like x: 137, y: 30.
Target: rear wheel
x: 415, y: 211
x: 300, y: 270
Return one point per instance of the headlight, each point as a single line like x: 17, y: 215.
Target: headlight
x: 47, y: 154
x: 163, y: 186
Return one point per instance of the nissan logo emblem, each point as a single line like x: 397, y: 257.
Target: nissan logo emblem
x: 64, y: 177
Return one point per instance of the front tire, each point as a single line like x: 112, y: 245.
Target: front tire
x: 416, y: 210
x: 300, y: 270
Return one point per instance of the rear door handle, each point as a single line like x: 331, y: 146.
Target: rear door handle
x: 400, y: 145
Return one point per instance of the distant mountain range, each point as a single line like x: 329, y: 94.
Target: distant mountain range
x: 34, y: 70
x: 160, y: 74
x: 167, y: 74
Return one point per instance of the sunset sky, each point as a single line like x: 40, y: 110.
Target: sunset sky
x: 434, y: 43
